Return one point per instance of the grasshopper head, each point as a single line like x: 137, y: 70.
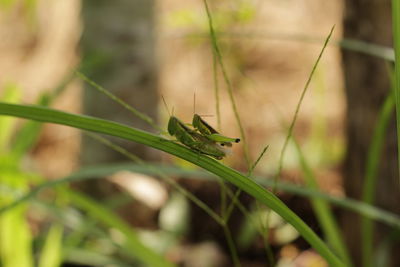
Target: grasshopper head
x: 229, y: 144
x: 225, y: 144
x: 202, y: 125
x: 196, y: 122
x: 225, y: 148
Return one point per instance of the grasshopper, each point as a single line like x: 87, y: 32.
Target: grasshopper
x: 195, y: 140
x: 210, y: 133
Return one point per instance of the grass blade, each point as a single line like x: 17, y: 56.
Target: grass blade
x: 374, y: 156
x: 303, y: 93
x: 94, y: 172
x: 323, y: 211
x: 228, y: 174
x: 11, y: 94
x: 51, y: 253
x: 217, y: 53
x: 396, y: 40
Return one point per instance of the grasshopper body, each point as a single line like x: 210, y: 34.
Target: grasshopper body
x: 194, y: 140
x: 210, y: 133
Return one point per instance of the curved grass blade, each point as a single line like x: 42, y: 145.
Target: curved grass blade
x: 94, y: 172
x: 157, y: 142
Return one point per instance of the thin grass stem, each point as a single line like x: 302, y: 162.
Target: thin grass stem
x: 214, y: 42
x: 170, y: 181
x: 373, y: 159
x: 296, y: 113
x: 396, y: 40
x: 136, y: 112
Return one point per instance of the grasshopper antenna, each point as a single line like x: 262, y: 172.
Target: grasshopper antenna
x: 194, y: 106
x: 194, y: 102
x: 166, y: 106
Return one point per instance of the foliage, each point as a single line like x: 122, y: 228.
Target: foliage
x: 78, y: 226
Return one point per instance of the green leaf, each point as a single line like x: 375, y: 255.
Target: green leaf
x: 51, y: 253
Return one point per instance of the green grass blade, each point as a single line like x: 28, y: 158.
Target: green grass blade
x: 218, y: 54
x: 85, y: 257
x: 135, y: 246
x: 374, y: 156
x: 167, y: 179
x: 396, y: 40
x: 51, y: 253
x: 28, y: 134
x: 121, y: 102
x: 157, y: 142
x: 15, y: 233
x: 15, y: 239
x: 25, y: 139
x: 366, y: 48
x: 323, y: 211
x: 303, y: 93
x: 94, y: 172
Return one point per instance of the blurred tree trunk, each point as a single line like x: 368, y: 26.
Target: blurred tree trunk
x: 367, y: 85
x: 118, y: 53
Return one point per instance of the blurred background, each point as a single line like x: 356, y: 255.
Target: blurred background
x: 133, y: 203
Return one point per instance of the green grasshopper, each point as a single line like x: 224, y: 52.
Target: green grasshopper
x: 210, y: 133
x: 195, y: 140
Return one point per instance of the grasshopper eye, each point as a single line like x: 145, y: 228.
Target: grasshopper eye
x: 222, y: 144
